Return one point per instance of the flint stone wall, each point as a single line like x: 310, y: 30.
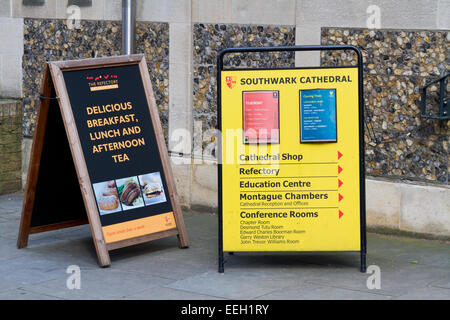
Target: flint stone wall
x: 51, y: 39
x: 400, y: 144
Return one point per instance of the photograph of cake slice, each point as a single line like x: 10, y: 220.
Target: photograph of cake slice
x: 107, y: 197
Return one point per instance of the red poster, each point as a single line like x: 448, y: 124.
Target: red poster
x: 261, y: 123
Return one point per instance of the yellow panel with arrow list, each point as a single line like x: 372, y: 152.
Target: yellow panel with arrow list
x: 290, y: 160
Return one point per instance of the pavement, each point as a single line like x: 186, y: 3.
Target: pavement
x: 409, y: 268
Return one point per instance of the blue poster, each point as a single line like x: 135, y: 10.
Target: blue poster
x: 318, y: 115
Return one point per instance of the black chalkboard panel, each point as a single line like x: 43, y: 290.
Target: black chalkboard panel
x: 58, y: 196
x: 113, y: 122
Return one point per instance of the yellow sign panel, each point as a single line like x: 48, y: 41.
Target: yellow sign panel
x: 290, y: 160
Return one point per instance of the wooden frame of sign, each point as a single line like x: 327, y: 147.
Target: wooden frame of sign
x: 43, y: 165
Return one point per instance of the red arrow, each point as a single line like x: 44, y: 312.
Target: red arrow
x: 340, y: 214
x: 340, y: 197
x: 339, y: 155
x: 339, y: 169
x: 340, y: 183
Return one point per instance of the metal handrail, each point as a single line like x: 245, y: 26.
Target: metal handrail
x: 443, y: 112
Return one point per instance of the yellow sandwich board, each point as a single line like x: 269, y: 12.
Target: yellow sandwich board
x: 291, y: 154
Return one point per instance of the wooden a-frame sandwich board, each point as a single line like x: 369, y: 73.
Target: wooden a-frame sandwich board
x: 66, y: 178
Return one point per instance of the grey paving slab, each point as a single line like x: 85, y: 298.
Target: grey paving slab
x: 73, y: 233
x: 394, y: 281
x: 442, y: 283
x: 8, y: 249
x: 13, y: 216
x: 28, y: 269
x: 167, y: 246
x: 99, y: 284
x: 80, y: 251
x: 11, y: 202
x: 163, y: 293
x: 9, y: 228
x: 427, y: 293
x: 309, y: 291
x: 9, y: 215
x: 5, y: 213
x: 407, y: 250
x: 234, y: 284
x: 201, y: 226
x: 3, y: 218
x: 164, y: 258
x: 21, y: 294
x: 67, y: 252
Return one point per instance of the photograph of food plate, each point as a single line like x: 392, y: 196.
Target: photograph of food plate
x: 107, y: 197
x: 129, y: 193
x: 152, y: 188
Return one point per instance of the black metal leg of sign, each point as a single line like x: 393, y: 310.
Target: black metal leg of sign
x: 362, y: 166
x: 363, y: 261
x: 221, y: 260
x: 220, y: 244
x: 219, y: 169
x: 221, y: 264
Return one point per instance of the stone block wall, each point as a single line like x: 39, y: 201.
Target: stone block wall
x: 10, y: 146
x: 400, y: 144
